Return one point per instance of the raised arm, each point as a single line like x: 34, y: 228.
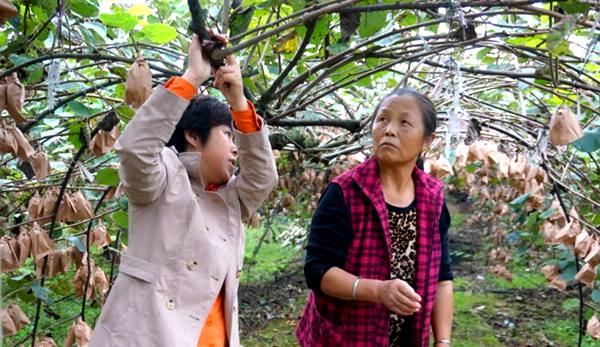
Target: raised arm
x: 258, y: 172
x: 142, y: 170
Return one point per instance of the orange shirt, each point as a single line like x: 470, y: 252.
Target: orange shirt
x: 214, y: 331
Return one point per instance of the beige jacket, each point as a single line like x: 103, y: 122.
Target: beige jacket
x: 185, y: 243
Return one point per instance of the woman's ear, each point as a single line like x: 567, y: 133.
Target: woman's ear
x: 192, y: 143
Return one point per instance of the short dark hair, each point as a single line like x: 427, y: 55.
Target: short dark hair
x: 202, y: 114
x: 427, y: 108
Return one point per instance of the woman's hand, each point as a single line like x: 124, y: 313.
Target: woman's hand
x: 228, y: 79
x: 399, y: 297
x: 198, y: 70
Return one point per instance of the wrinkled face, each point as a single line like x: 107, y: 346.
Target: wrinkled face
x: 399, y: 131
x: 217, y: 156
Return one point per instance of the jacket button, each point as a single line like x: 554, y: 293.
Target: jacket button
x: 170, y: 305
x: 207, y: 228
x: 191, y: 265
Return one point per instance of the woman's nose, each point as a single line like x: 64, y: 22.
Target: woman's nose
x: 234, y: 150
x: 390, y: 130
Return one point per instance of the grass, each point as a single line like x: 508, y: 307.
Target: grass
x: 271, y: 258
x: 469, y: 327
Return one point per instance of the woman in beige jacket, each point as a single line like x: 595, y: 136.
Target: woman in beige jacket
x: 180, y: 274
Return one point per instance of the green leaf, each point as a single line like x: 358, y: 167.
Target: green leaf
x: 78, y: 242
x: 79, y: 108
x: 86, y: 8
x: 240, y: 20
x: 596, y: 295
x: 371, y: 23
x: 124, y: 203
x: 125, y: 112
x: 408, y: 18
x: 570, y: 304
x: 22, y: 59
x: 557, y: 41
x: 483, y: 53
x: 573, y: 6
x: 35, y: 77
x: 548, y: 213
x: 139, y: 10
x: 121, y: 218
x: 337, y: 48
x: 321, y: 29
x: 518, y: 202
x: 24, y: 273
x: 297, y: 5
x: 121, y: 20
x: 75, y: 129
x: 41, y: 293
x: 108, y: 176
x: 159, y: 33
x: 590, y: 142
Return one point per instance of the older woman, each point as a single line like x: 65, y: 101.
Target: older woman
x: 377, y: 257
x: 178, y: 281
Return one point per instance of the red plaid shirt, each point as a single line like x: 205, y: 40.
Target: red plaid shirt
x: 330, y: 322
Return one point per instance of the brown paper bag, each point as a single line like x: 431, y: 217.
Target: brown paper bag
x: 66, y: 258
x: 559, y: 284
x: 24, y: 150
x: 15, y: 97
x: 18, y: 316
x: 568, y: 234
x: 104, y: 141
x: 79, y: 333
x: 138, y: 85
x: 41, y: 244
x: 593, y: 327
x: 53, y: 267
x: 67, y: 211
x: 564, y: 127
x: 45, y: 341
x: 501, y: 271
x: 77, y: 255
x: 254, y: 221
x: 100, y: 236
x: 48, y: 204
x: 36, y: 206
x: 517, y: 167
x: 583, y: 243
x: 2, y: 95
x: 8, y: 326
x: 441, y: 168
x: 9, y: 253
x: 83, y: 208
x: 549, y: 231
x: 80, y: 279
x: 587, y: 275
x: 24, y: 244
x: 550, y: 271
x: 475, y: 154
x: 101, y: 283
x: 41, y: 165
x: 8, y: 143
x: 7, y: 11
x: 593, y: 257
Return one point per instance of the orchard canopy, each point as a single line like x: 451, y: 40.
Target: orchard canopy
x: 516, y: 84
